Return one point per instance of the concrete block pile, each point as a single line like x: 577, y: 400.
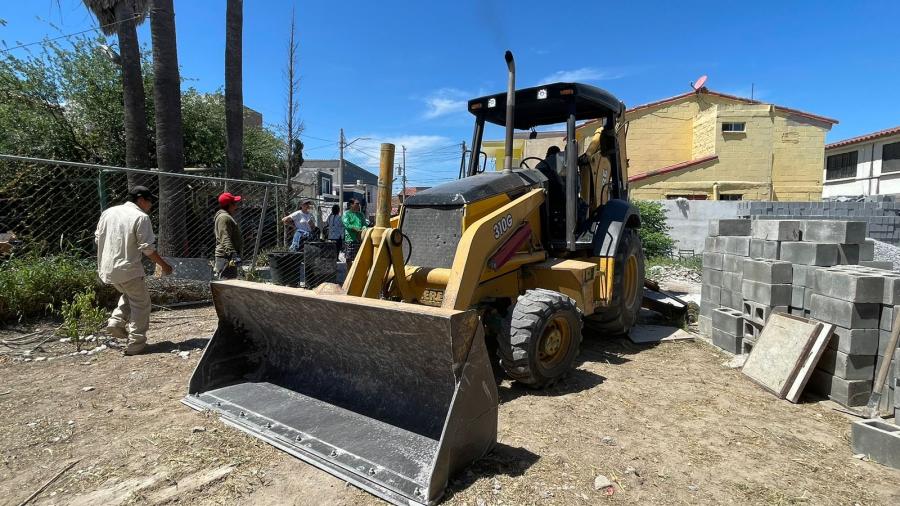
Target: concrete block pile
x: 818, y: 269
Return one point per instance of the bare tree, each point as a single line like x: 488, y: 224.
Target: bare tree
x: 234, y: 94
x: 293, y: 125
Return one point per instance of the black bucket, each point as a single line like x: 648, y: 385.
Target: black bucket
x: 286, y: 267
x: 320, y: 260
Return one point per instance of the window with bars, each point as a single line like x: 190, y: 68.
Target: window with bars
x: 890, y: 157
x: 841, y: 166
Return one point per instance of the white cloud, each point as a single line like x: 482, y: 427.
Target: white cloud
x: 443, y: 102
x: 584, y: 74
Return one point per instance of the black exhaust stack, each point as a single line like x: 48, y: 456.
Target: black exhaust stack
x: 510, y: 111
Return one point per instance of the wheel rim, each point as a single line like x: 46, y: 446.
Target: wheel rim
x: 630, y: 279
x: 555, y: 342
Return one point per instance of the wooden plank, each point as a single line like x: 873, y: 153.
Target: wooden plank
x: 780, y: 351
x: 820, y: 341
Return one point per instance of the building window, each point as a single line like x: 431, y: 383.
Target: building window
x: 701, y: 196
x: 841, y: 166
x: 732, y: 127
x: 731, y: 196
x: 326, y: 186
x: 890, y: 157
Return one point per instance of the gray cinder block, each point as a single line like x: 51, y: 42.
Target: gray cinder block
x: 854, y: 341
x: 705, y: 324
x: 766, y: 293
x: 847, y: 392
x: 775, y: 230
x: 809, y: 253
x: 798, y: 296
x: 768, y: 271
x: 737, y: 246
x: 712, y: 277
x: 849, y: 367
x: 837, y: 231
x: 759, y: 313
x: 843, y: 313
x: 803, y: 275
x: 733, y: 263
x: 867, y: 252
x: 891, y: 289
x: 848, y: 254
x: 729, y: 227
x: 728, y: 320
x: 883, y: 337
x: 751, y: 331
x: 726, y: 341
x: 712, y: 260
x: 877, y: 264
x: 887, y: 317
x: 850, y: 286
x: 706, y: 308
x: 714, y: 245
x: 878, y: 440
x: 711, y: 294
x: 731, y: 299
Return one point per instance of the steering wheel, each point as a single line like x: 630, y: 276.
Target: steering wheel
x: 523, y: 165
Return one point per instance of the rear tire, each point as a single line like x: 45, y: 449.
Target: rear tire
x: 628, y: 288
x: 541, y: 338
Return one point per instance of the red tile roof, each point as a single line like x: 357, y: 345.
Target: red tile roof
x: 863, y: 138
x: 673, y: 168
x: 744, y: 100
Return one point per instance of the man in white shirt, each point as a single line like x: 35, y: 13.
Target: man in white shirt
x: 304, y: 223
x: 123, y: 234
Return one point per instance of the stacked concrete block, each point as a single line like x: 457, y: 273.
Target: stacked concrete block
x: 855, y: 299
x: 766, y: 287
x: 727, y: 329
x: 727, y: 246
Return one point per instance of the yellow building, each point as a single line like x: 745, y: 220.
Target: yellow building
x: 709, y: 145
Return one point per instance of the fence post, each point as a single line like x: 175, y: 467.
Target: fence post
x: 102, y: 194
x: 259, y: 230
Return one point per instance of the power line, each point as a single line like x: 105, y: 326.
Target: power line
x: 44, y: 41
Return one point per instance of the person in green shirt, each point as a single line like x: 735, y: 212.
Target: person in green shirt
x: 354, y: 224
x: 229, y: 243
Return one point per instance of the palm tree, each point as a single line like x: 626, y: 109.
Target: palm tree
x: 234, y: 95
x: 121, y: 17
x: 169, y: 135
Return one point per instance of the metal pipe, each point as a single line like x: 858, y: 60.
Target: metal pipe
x: 385, y: 180
x: 510, y: 111
x: 259, y: 229
x: 476, y: 146
x: 571, y: 176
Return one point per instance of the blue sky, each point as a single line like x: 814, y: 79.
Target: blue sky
x: 401, y: 71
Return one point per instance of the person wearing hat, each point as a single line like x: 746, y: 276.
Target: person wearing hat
x: 304, y: 223
x: 123, y: 234
x: 229, y: 243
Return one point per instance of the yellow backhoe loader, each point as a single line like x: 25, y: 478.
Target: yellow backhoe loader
x: 389, y: 380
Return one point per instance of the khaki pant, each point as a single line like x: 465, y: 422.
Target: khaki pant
x: 133, y: 311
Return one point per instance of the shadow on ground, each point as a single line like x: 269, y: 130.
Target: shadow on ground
x: 503, y: 460
x: 168, y: 346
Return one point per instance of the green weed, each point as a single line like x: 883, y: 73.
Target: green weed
x: 81, y: 317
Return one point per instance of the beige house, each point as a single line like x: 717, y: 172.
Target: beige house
x: 709, y: 145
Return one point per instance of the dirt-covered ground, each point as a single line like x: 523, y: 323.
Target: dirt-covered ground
x: 666, y: 424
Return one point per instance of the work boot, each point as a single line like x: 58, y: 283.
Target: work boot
x: 135, y: 348
x: 117, y: 332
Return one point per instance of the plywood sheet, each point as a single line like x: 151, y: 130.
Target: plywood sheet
x: 781, y: 351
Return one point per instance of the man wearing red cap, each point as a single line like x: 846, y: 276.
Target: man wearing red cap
x: 229, y: 243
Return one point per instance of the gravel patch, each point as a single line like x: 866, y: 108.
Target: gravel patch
x: 885, y: 252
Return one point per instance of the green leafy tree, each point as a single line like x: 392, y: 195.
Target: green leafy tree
x: 654, y: 230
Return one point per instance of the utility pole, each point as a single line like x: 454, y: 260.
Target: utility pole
x: 341, y: 173
x: 462, y: 161
x: 404, y: 174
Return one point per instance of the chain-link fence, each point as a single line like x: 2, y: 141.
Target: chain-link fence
x: 52, y: 207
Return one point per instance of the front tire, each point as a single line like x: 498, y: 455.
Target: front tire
x: 541, y: 338
x: 628, y: 288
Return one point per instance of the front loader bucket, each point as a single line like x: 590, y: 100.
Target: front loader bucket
x: 391, y: 397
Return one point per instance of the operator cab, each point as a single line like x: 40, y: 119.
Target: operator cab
x: 580, y: 179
